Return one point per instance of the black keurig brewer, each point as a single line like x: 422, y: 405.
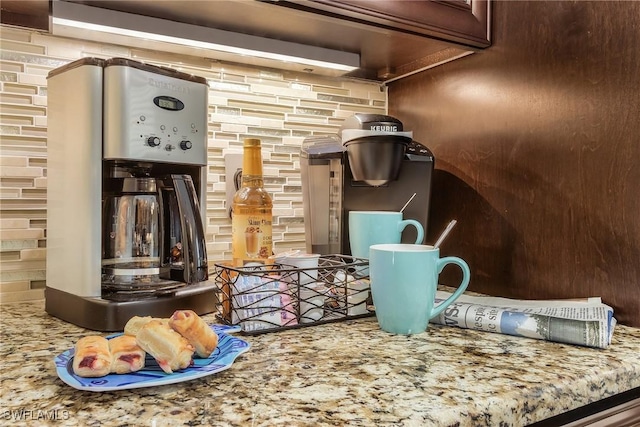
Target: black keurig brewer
x: 372, y: 164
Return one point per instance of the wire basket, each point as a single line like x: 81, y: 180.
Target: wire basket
x: 279, y: 296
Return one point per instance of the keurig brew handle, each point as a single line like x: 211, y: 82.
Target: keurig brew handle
x: 194, y: 244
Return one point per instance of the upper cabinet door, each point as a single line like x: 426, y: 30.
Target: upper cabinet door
x: 459, y: 21
x: 28, y: 14
x: 394, y: 38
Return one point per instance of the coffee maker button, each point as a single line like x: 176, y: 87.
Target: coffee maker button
x: 185, y: 145
x: 153, y: 141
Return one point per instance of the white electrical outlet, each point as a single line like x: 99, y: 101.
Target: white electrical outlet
x: 232, y: 164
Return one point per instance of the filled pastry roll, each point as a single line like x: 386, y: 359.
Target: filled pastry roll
x: 136, y: 323
x: 191, y: 326
x: 92, y: 357
x: 170, y: 349
x: 126, y: 355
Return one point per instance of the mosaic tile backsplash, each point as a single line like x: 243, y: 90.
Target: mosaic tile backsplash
x: 279, y: 107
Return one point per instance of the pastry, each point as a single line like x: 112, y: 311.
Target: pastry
x: 136, y: 323
x: 92, y: 357
x: 170, y: 349
x: 126, y: 354
x: 191, y: 326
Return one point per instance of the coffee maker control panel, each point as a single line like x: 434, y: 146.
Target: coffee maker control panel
x: 418, y: 152
x: 155, y: 141
x: 151, y: 116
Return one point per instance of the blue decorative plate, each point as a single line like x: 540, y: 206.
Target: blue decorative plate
x: 229, y: 347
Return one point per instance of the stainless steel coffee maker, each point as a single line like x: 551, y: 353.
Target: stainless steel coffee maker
x: 127, y: 156
x: 371, y: 164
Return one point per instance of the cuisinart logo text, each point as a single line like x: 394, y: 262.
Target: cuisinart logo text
x: 385, y: 128
x: 169, y: 86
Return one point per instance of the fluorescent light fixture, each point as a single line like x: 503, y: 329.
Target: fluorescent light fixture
x: 81, y: 21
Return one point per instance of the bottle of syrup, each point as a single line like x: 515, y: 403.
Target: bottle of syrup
x: 252, y: 207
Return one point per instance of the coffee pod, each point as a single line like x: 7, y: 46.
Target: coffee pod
x: 311, y: 302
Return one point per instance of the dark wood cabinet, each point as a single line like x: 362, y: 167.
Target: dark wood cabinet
x: 459, y: 21
x: 29, y: 14
x: 394, y: 38
x: 399, y: 38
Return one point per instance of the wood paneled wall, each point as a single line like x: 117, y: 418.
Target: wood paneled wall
x: 537, y: 147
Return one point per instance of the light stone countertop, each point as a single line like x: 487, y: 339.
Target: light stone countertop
x: 346, y: 373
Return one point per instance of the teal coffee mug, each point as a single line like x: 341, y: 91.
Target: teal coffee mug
x: 368, y: 228
x: 404, y: 280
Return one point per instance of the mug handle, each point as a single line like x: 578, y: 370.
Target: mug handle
x: 403, y: 224
x: 466, y: 274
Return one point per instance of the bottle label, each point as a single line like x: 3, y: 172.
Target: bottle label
x: 252, y: 242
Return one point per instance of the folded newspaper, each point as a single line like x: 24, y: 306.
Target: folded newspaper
x: 586, y: 322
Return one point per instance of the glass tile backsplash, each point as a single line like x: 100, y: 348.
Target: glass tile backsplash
x: 279, y: 107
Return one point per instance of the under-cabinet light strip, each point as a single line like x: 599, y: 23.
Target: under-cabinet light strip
x: 97, y: 20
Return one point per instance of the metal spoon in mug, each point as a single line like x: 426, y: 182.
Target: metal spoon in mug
x: 444, y: 234
x: 408, y: 201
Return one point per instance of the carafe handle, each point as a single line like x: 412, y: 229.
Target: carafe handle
x: 194, y: 250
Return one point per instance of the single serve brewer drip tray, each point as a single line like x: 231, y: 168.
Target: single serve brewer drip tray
x: 135, y: 279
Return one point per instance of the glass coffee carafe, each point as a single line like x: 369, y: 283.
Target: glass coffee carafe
x: 131, y: 233
x: 152, y: 237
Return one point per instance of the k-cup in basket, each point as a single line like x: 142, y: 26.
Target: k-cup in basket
x: 311, y: 298
x: 357, y: 292
x: 305, y: 266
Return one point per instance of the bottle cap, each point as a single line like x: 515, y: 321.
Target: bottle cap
x: 252, y: 142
